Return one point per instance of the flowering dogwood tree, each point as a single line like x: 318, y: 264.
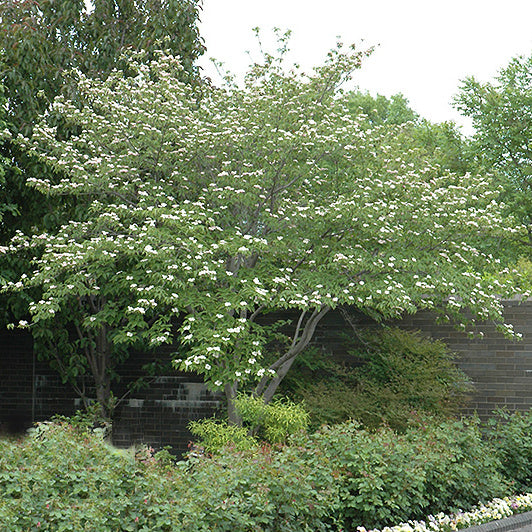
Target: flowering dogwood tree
x: 213, y: 211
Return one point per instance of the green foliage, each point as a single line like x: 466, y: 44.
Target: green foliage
x: 316, y: 364
x: 219, y: 213
x: 501, y: 111
x: 82, y: 420
x: 273, y: 422
x: 40, y: 43
x: 215, y: 435
x: 55, y: 469
x: 398, y: 374
x: 520, y: 270
x: 461, y: 468
x: 388, y: 478
x: 379, y: 110
x: 511, y: 437
x: 445, y: 146
x: 5, y: 134
x: 324, y: 385
x: 264, y: 491
x: 438, y: 143
x: 403, y: 372
x: 338, y: 478
x: 329, y: 402
x: 93, y: 486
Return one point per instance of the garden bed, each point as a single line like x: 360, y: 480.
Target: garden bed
x: 64, y: 477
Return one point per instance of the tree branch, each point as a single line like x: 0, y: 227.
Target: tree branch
x: 268, y: 385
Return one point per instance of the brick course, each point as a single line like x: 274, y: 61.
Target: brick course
x: 31, y: 391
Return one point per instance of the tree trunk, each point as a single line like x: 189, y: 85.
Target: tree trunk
x: 99, y: 363
x: 302, y: 337
x: 106, y: 406
x: 274, y: 383
x: 230, y: 395
x: 103, y: 396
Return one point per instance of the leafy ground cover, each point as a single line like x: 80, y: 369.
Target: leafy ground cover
x: 64, y: 477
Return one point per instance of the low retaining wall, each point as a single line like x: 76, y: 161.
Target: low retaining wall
x: 521, y: 522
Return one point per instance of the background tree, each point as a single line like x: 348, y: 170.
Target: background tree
x: 502, y: 117
x: 380, y: 110
x: 259, y: 199
x: 40, y: 42
x: 442, y: 143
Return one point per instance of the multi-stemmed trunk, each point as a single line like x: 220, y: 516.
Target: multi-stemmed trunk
x: 266, y: 388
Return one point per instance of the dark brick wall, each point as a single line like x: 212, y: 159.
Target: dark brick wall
x: 158, y: 415
x: 500, y: 369
x: 30, y: 391
x: 16, y: 384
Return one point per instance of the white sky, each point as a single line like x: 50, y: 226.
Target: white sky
x: 425, y: 47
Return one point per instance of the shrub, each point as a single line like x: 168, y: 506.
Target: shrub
x: 216, y: 434
x: 67, y: 478
x: 292, y: 489
x: 511, y: 437
x: 62, y: 476
x: 275, y: 421
x: 386, y: 478
x: 401, y: 373
x: 461, y: 467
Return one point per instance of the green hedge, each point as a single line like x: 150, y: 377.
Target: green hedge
x: 67, y: 478
x: 388, y: 478
x: 511, y: 437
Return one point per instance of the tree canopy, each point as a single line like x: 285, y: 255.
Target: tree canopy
x: 501, y: 111
x: 381, y: 110
x: 216, y: 213
x: 442, y: 143
x: 40, y: 42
